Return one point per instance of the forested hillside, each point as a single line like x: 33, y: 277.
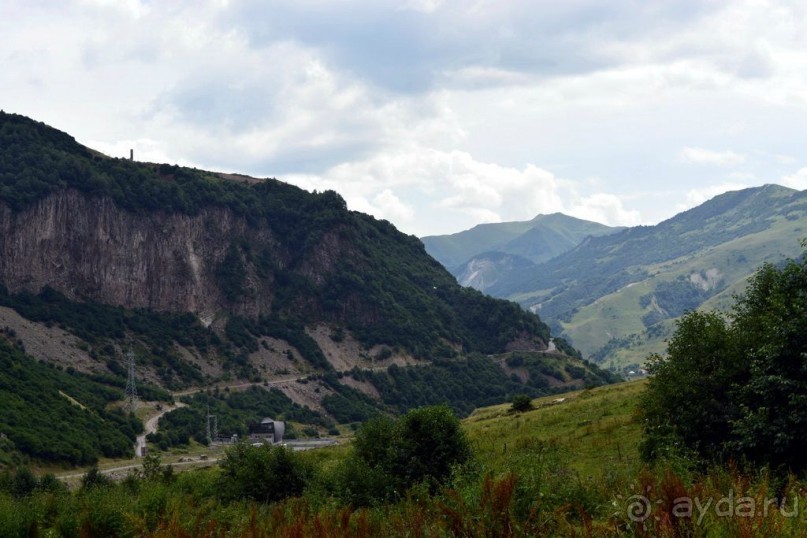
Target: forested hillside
x: 315, y: 259
x: 214, y: 278
x: 58, y: 416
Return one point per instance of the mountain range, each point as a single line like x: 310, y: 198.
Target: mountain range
x: 537, y: 240
x: 616, y: 296
x: 214, y: 279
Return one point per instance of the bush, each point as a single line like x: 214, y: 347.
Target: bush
x: 263, y: 473
x: 389, y: 457
x: 521, y: 403
x: 94, y: 479
x: 735, y: 389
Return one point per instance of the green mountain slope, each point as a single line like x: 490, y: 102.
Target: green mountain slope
x: 537, y: 240
x: 319, y: 261
x: 486, y: 269
x: 55, y: 415
x: 615, y: 297
x: 219, y: 278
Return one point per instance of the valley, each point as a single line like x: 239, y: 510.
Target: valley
x: 245, y: 296
x: 616, y: 297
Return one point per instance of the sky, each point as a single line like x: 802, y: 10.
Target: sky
x: 436, y: 115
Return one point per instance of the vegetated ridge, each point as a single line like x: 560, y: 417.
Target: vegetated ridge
x: 478, y: 256
x: 213, y: 277
x: 616, y: 296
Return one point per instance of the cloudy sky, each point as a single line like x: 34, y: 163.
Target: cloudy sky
x: 434, y: 114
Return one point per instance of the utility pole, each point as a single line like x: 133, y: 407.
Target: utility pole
x: 131, y: 387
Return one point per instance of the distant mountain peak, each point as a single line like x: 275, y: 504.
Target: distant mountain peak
x: 538, y: 239
x: 613, y: 294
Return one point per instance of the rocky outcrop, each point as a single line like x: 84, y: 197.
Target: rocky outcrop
x: 88, y: 248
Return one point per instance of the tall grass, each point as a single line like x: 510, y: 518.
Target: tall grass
x: 537, y: 476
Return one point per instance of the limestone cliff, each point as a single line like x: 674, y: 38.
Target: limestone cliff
x: 223, y: 246
x: 90, y: 248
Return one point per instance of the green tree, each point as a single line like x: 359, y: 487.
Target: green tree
x: 93, y: 479
x: 262, y: 473
x: 521, y: 403
x: 689, y: 400
x: 771, y: 326
x: 390, y: 457
x: 737, y: 388
x: 430, y: 442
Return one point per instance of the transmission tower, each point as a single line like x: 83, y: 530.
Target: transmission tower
x: 131, y: 387
x: 212, y: 427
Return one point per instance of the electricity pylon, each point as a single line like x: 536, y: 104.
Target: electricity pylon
x: 131, y: 387
x: 212, y: 427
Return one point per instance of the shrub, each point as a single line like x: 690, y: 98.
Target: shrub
x: 735, y: 389
x: 263, y: 473
x: 390, y: 457
x: 94, y: 479
x: 521, y: 403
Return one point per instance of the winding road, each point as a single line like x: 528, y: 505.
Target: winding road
x: 151, y: 427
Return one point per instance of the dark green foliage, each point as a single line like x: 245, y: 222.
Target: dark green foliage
x: 688, y: 398
x: 238, y: 331
x: 44, y: 424
x: 566, y: 348
x: 232, y: 275
x: 264, y: 473
x: 392, y: 456
x: 154, y: 470
x: 378, y: 283
x: 234, y: 412
x: 430, y: 441
x: 539, y: 368
x: 20, y: 483
x: 771, y: 327
x: 338, y: 334
x: 474, y: 381
x: 674, y: 298
x: 99, y: 324
x: 521, y: 403
x: 146, y: 391
x: 243, y: 333
x: 347, y: 404
x: 294, y: 333
x: 179, y: 426
x: 737, y: 390
x: 603, y: 265
x: 94, y: 479
x: 463, y: 384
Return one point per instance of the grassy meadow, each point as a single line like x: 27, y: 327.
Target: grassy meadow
x: 568, y: 467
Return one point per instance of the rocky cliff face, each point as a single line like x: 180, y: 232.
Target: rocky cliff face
x: 89, y: 248
x: 224, y: 247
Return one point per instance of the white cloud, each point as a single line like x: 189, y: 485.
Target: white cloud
x: 705, y: 156
x: 606, y: 209
x: 699, y: 195
x: 798, y: 180
x: 391, y: 206
x: 436, y: 115
x: 459, y: 191
x: 425, y: 6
